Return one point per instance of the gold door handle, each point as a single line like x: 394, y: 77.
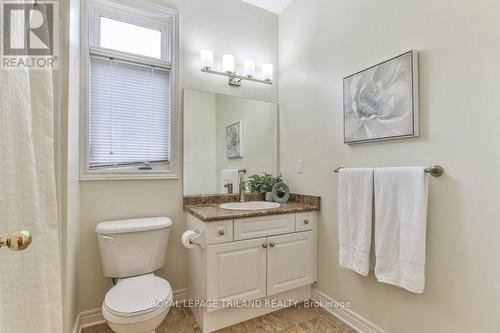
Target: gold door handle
x: 16, y: 241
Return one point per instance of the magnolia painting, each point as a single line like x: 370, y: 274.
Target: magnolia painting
x: 234, y: 141
x: 381, y: 102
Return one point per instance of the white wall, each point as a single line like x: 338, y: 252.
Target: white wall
x: 199, y: 142
x: 225, y: 27
x: 321, y: 41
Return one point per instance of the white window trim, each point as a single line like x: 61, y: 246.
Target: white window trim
x: 150, y: 13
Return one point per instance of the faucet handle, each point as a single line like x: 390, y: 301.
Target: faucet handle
x: 229, y: 186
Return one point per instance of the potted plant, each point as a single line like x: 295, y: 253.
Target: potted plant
x: 264, y: 184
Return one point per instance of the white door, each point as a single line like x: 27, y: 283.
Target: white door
x: 290, y: 261
x: 237, y: 270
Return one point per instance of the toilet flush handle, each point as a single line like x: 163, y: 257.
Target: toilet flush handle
x: 107, y: 238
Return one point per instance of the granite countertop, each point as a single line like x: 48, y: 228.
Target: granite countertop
x: 206, y: 208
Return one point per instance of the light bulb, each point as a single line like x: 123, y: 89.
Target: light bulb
x: 228, y: 64
x: 207, y: 59
x: 249, y: 68
x: 267, y: 72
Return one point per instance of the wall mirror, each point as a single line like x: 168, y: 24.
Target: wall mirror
x: 224, y: 134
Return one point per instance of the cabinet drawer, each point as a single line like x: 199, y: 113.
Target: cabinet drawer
x: 254, y: 227
x: 305, y: 221
x: 219, y: 232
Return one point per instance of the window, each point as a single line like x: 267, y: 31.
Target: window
x: 129, y: 114
x: 123, y: 36
x: 128, y: 118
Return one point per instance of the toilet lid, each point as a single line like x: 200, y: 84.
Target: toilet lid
x: 138, y: 294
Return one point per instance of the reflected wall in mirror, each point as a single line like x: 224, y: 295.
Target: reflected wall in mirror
x: 223, y: 134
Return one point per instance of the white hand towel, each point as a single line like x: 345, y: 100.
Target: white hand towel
x: 229, y: 176
x: 355, y: 218
x: 400, y: 226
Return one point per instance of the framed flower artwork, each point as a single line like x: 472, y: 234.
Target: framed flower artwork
x: 381, y: 102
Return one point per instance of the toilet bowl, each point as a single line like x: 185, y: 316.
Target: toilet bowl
x: 131, y: 250
x: 137, y: 304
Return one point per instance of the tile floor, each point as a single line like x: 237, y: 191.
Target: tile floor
x: 298, y: 319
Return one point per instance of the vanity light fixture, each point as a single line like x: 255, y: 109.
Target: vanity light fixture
x: 228, y: 69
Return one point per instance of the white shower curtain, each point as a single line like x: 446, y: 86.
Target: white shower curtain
x: 30, y: 280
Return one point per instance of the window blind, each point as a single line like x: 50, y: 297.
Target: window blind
x: 129, y: 114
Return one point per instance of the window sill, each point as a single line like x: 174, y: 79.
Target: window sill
x: 128, y: 176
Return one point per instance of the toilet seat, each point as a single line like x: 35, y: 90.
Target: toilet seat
x: 137, y: 299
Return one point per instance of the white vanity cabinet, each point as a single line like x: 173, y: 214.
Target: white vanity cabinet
x: 259, y: 258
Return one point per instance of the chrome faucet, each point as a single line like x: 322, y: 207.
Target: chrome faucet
x: 241, y: 174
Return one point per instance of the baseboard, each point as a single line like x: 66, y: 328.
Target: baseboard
x: 180, y: 294
x: 87, y: 319
x: 94, y: 317
x: 351, y: 318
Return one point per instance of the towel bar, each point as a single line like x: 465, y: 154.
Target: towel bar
x: 435, y: 171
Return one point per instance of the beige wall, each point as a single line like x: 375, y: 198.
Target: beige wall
x: 225, y: 27
x: 321, y: 41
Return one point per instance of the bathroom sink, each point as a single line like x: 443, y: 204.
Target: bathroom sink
x: 249, y: 205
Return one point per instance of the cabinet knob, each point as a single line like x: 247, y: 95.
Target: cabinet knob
x: 271, y: 244
x: 306, y: 221
x: 264, y: 245
x: 221, y: 232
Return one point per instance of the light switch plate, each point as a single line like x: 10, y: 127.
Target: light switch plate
x: 300, y: 166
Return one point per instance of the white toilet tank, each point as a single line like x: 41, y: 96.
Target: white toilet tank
x: 133, y: 247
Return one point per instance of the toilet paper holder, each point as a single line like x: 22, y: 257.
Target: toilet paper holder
x: 196, y: 239
x: 192, y: 237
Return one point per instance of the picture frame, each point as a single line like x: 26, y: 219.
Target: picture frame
x: 234, y: 140
x: 381, y: 101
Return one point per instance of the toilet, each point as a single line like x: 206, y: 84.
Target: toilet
x: 131, y: 250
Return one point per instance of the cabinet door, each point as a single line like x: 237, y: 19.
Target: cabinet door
x: 237, y: 270
x: 290, y: 261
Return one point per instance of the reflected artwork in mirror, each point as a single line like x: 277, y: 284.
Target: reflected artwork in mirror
x: 224, y: 134
x: 234, y: 140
